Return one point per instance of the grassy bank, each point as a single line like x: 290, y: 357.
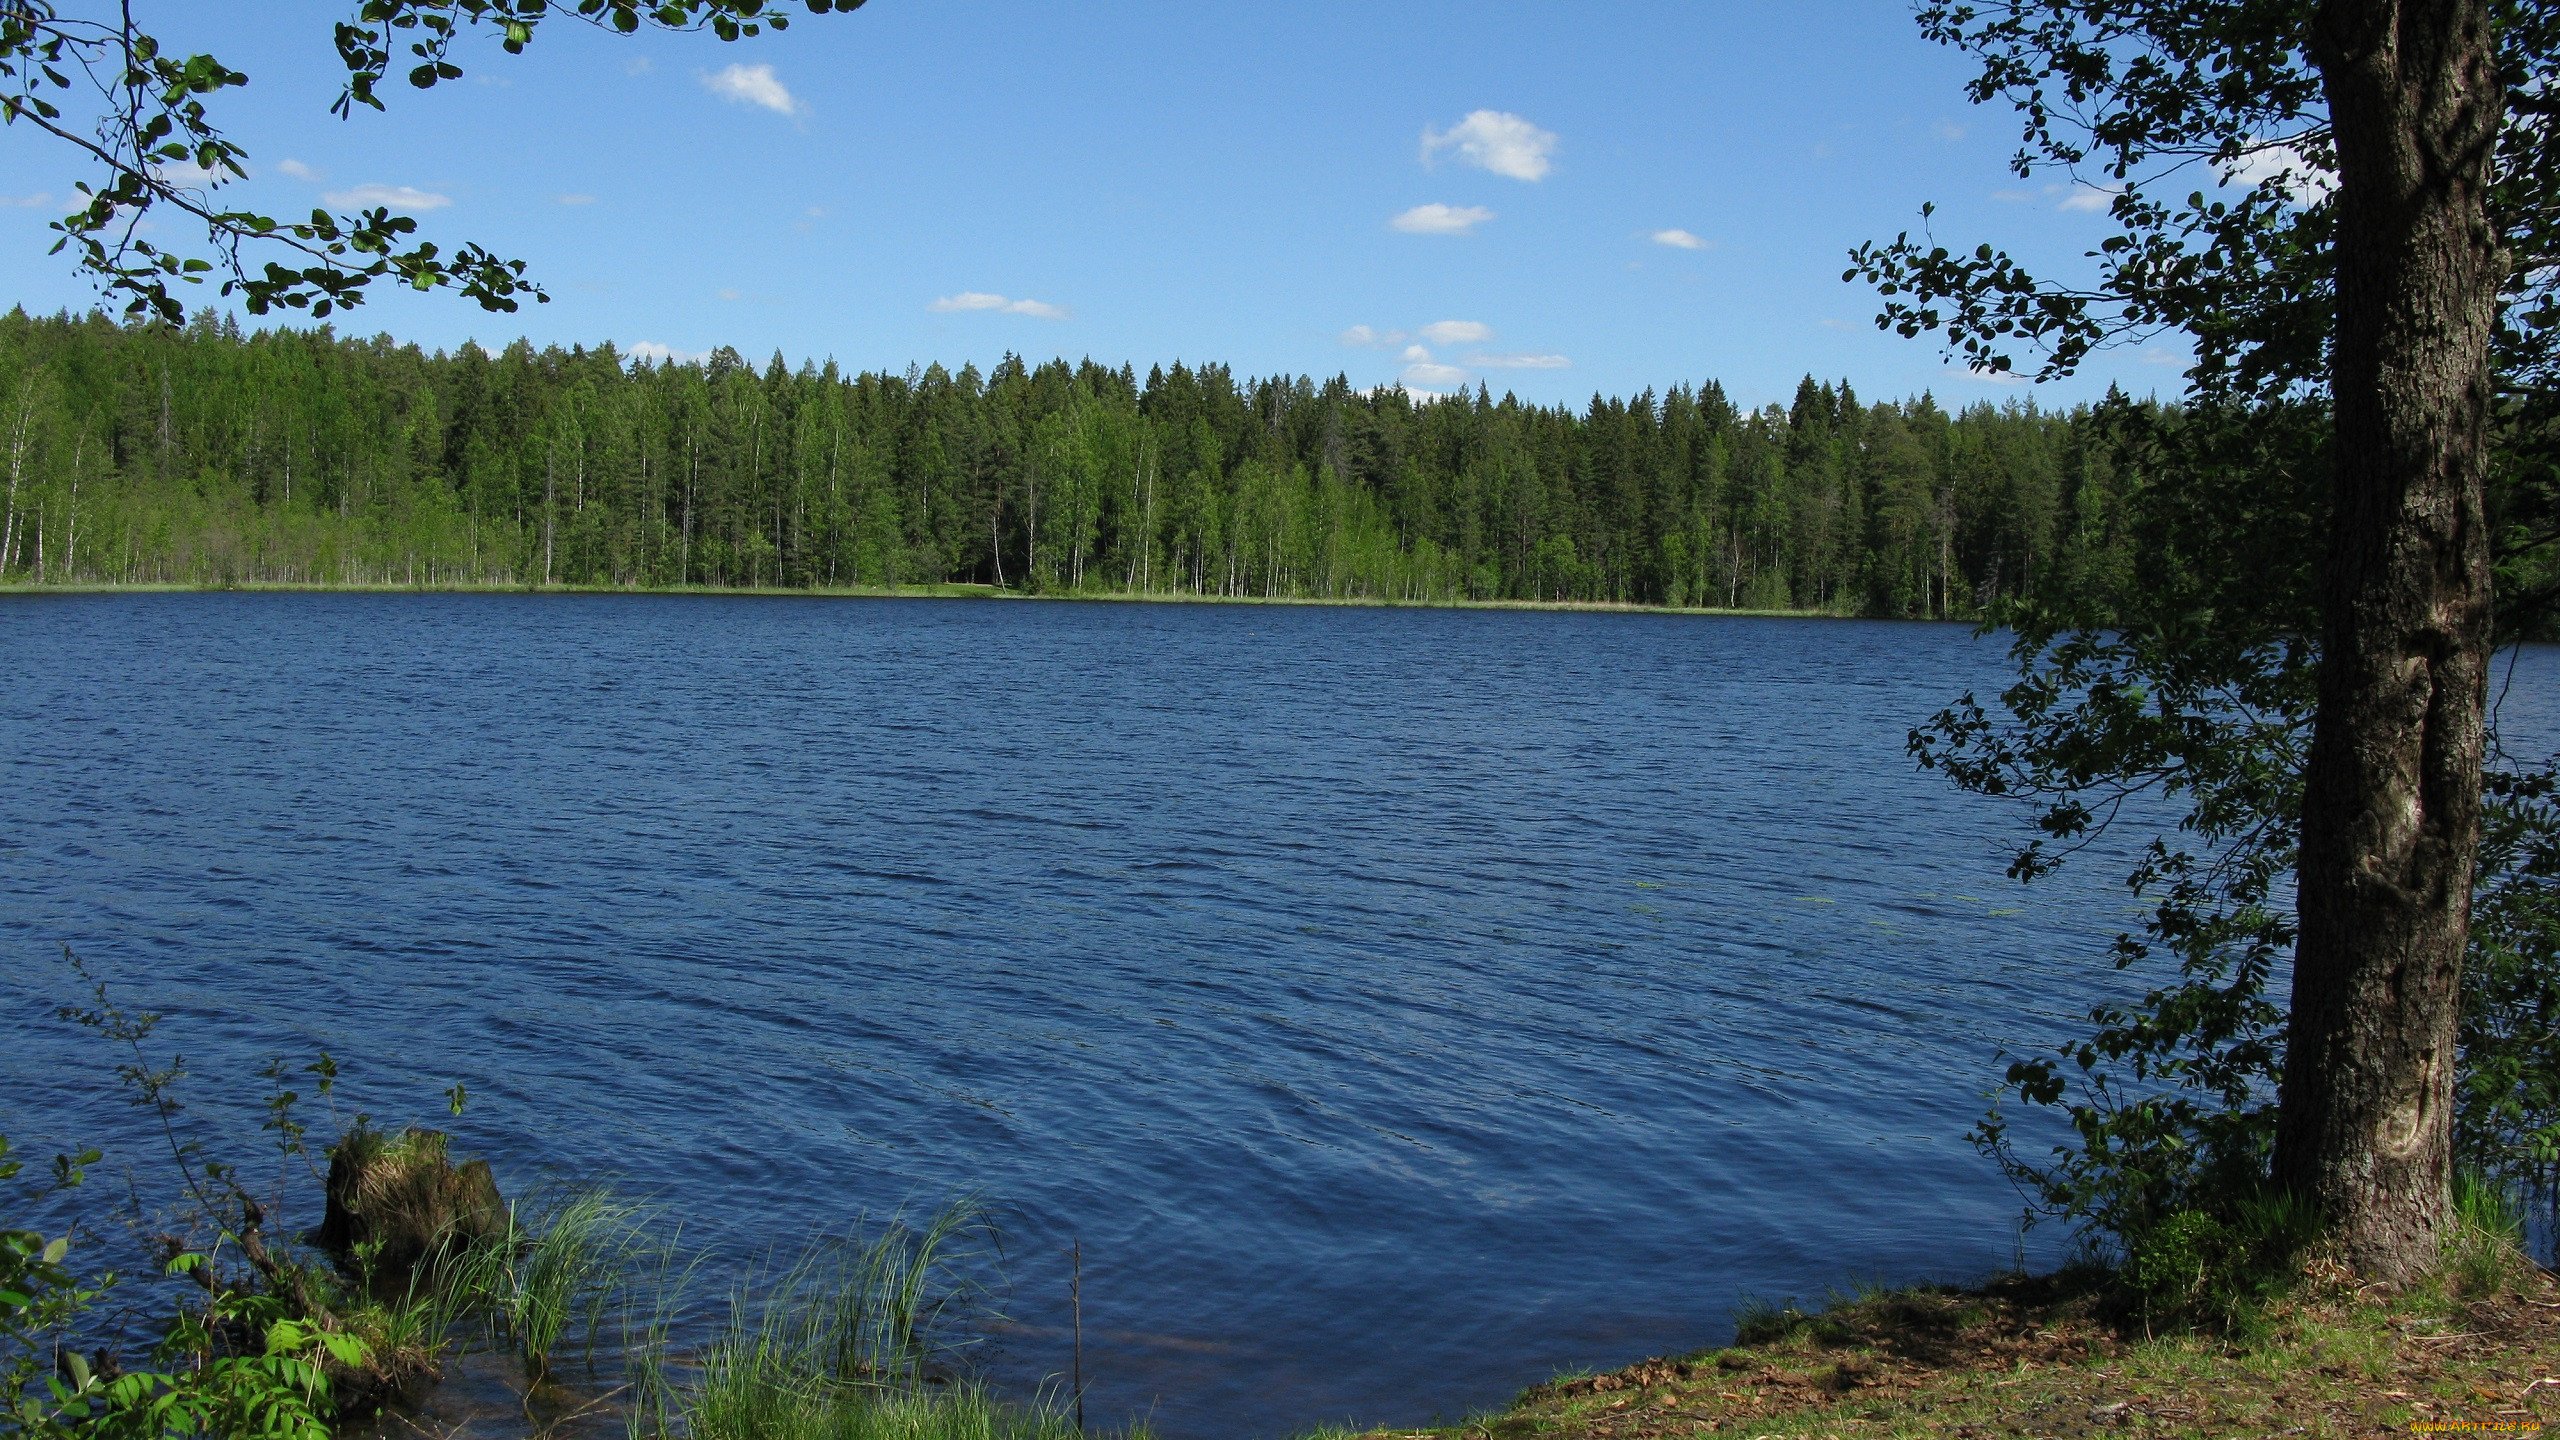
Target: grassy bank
x: 2045, y: 1357
x: 938, y: 591
x: 948, y: 591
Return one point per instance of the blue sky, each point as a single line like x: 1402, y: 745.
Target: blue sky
x: 1557, y: 199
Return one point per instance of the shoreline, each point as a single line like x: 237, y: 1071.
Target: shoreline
x: 945, y: 590
x: 2047, y: 1355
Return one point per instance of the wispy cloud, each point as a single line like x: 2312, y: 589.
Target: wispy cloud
x: 1457, y: 332
x: 1946, y: 130
x: 573, y: 198
x: 1429, y: 373
x: 983, y: 300
x: 1993, y: 377
x: 638, y: 65
x: 1677, y: 240
x: 37, y: 201
x: 188, y: 174
x: 1495, y: 140
x: 296, y: 169
x: 395, y: 197
x: 1438, y: 219
x: 752, y: 85
x: 2088, y: 199
x: 1520, y: 362
x: 1363, y: 337
x: 653, y: 351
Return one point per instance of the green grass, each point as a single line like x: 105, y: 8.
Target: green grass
x: 563, y: 1264
x: 852, y: 1341
x: 860, y: 1337
x: 2486, y: 1250
x: 963, y: 1412
x: 2054, y: 1355
x: 867, y: 1313
x: 940, y: 590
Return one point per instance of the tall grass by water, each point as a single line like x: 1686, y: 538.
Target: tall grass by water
x: 557, y: 1272
x: 862, y: 1335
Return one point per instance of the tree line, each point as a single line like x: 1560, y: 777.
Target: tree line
x: 206, y: 454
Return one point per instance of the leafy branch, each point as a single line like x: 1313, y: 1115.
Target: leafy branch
x: 140, y: 113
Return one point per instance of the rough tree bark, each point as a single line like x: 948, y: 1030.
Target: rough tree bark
x: 2391, y: 809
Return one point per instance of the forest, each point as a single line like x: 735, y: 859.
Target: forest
x: 209, y: 455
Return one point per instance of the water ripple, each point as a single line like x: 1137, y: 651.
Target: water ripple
x: 1395, y: 1005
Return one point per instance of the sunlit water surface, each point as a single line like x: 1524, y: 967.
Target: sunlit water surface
x: 1397, y: 1005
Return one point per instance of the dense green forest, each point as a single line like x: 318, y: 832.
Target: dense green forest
x: 204, y: 454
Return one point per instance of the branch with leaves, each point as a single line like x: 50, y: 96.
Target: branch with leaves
x: 2207, y: 128
x: 141, y: 114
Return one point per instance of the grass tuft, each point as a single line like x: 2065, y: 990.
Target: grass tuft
x: 2484, y: 1254
x: 558, y: 1267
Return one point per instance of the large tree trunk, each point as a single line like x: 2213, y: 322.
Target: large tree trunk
x: 2391, y: 810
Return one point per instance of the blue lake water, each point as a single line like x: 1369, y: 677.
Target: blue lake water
x: 1397, y: 1006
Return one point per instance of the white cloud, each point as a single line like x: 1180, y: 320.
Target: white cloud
x: 1365, y: 338
x: 396, y: 197
x: 982, y: 300
x: 1427, y: 373
x: 2089, y: 199
x: 36, y: 201
x: 1497, y: 141
x: 1677, y: 240
x: 1520, y: 362
x: 752, y: 85
x: 296, y: 169
x: 1438, y: 219
x: 1457, y: 332
x: 573, y: 198
x: 1946, y: 130
x: 189, y: 175
x: 1414, y: 393
x: 2296, y: 177
x: 638, y: 65
x: 730, y: 293
x: 652, y: 350
x: 1994, y: 377
x: 1416, y: 354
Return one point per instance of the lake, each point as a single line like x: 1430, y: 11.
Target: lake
x: 1397, y: 1006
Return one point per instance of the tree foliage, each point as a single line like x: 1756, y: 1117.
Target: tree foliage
x: 240, y: 1352
x: 205, y: 454
x: 2185, y: 711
